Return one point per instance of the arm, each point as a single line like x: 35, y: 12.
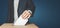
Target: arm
x: 23, y: 19
x: 30, y: 6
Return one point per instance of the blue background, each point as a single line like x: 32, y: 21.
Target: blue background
x: 47, y: 13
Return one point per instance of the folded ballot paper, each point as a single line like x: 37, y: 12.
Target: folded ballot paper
x: 20, y: 21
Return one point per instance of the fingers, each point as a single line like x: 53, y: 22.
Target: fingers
x: 25, y: 14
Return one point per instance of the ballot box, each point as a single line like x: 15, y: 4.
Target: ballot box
x: 10, y: 25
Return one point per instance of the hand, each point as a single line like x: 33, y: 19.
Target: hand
x: 26, y: 14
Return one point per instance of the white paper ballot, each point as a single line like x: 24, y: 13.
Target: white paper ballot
x: 20, y: 21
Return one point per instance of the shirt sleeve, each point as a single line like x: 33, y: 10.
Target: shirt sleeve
x: 30, y: 6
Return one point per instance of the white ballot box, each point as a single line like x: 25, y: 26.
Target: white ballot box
x: 10, y: 25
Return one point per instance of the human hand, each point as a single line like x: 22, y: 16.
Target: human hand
x: 26, y: 14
